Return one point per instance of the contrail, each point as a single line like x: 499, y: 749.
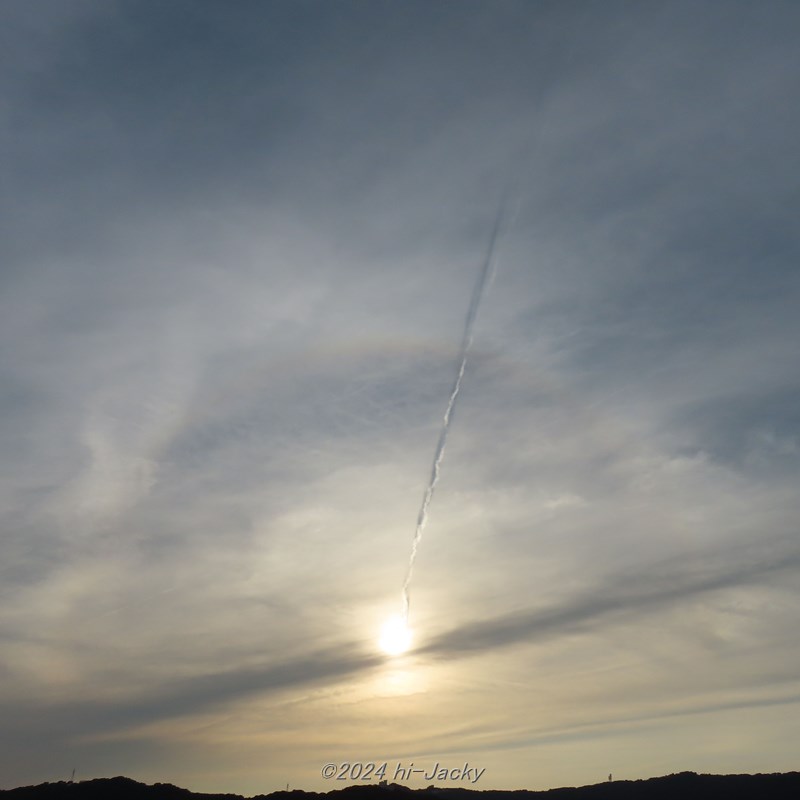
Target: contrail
x: 484, y: 275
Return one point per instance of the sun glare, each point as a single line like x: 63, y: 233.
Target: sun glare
x: 395, y: 636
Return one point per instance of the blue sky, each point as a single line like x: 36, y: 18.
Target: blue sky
x: 238, y: 243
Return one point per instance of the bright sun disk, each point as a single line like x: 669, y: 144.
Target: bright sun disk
x: 395, y: 636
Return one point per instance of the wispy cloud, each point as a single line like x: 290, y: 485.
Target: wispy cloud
x: 237, y: 248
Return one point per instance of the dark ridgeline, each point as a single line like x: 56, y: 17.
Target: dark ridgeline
x: 683, y: 786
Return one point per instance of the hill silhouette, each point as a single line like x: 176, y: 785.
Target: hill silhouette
x: 682, y: 786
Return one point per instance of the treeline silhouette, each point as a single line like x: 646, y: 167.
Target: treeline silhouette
x: 681, y: 786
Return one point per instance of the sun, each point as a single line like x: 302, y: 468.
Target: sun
x: 395, y: 636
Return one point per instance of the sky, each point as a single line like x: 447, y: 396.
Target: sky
x: 239, y: 241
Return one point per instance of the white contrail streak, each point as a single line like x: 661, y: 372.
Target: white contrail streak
x: 487, y: 269
x: 485, y: 277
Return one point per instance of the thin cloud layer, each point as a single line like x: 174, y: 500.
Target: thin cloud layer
x: 237, y: 248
